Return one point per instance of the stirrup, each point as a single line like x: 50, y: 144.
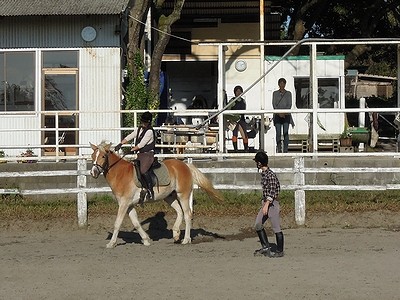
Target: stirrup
x: 143, y: 194
x: 263, y: 252
x: 150, y: 195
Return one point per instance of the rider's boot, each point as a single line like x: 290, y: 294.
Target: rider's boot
x: 149, y: 185
x: 279, y: 245
x: 265, y: 249
x: 142, y: 181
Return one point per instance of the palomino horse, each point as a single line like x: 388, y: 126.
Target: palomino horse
x: 121, y: 176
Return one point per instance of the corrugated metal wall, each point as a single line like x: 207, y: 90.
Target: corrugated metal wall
x: 58, y: 32
x: 100, y: 90
x: 99, y: 104
x: 16, y: 130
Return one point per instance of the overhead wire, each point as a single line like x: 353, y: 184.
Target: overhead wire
x: 163, y: 32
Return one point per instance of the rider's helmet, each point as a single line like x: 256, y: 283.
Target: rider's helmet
x: 146, y: 117
x: 261, y: 158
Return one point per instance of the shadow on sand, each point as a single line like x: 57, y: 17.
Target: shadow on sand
x: 158, y: 229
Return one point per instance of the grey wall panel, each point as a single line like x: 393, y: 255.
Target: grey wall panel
x: 58, y: 32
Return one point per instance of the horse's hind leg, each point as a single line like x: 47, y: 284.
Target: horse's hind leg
x: 176, y: 229
x: 187, y: 214
x: 135, y: 221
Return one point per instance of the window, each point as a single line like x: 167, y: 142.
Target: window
x: 60, y: 59
x: 328, y: 92
x: 17, y: 81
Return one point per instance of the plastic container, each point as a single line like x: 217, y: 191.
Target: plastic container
x: 359, y: 134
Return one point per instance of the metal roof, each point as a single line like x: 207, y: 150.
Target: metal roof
x: 10, y: 8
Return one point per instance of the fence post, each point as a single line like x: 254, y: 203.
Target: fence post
x: 299, y: 194
x: 82, y: 196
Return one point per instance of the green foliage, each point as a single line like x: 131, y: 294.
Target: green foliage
x: 138, y: 96
x: 136, y: 93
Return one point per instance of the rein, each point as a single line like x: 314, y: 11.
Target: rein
x: 106, y: 168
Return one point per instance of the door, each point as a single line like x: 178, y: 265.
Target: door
x: 60, y: 88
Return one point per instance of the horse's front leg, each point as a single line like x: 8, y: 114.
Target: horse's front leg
x: 122, y: 210
x: 136, y: 224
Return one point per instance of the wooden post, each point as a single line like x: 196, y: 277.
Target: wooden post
x: 299, y: 194
x: 82, y: 196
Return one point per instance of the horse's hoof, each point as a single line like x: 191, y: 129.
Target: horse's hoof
x: 146, y: 242
x: 186, y: 241
x: 110, y: 246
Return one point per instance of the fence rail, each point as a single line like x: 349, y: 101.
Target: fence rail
x: 298, y: 183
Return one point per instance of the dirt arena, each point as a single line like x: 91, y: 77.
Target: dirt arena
x: 333, y: 257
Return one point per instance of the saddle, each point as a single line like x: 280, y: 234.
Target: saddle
x: 159, y: 174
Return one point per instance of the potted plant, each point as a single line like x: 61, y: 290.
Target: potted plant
x: 345, y: 138
x: 28, y: 153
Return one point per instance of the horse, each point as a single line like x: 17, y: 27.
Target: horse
x: 121, y: 176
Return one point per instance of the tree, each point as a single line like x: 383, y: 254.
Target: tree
x: 343, y: 19
x: 163, y: 23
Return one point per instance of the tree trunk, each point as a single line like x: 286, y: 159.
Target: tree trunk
x: 164, y: 26
x: 138, y: 15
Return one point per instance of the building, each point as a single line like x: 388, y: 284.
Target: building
x: 58, y: 58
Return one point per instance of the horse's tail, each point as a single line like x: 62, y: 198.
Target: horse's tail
x: 202, y: 181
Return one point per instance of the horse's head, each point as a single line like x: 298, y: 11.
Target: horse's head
x: 100, y: 158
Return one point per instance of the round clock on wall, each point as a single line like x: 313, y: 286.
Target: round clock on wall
x: 240, y: 65
x: 88, y: 33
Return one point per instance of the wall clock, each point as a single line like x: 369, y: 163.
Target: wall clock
x: 240, y: 65
x: 88, y: 34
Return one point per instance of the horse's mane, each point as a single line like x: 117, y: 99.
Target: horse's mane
x: 105, y: 146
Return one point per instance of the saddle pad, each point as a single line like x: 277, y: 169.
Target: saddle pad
x: 162, y: 175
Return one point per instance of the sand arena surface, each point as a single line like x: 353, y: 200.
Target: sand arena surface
x: 345, y: 260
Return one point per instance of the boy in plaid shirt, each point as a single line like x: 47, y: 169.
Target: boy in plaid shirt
x: 269, y: 209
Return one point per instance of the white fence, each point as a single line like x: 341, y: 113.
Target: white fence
x: 298, y: 184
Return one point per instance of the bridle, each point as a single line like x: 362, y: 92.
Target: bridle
x: 106, y: 167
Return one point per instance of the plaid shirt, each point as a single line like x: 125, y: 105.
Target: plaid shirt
x: 270, y: 184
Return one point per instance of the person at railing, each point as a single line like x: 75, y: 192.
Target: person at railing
x: 282, y: 99
x: 240, y: 122
x: 145, y: 141
x: 269, y: 208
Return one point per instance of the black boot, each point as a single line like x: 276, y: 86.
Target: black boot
x: 141, y: 179
x: 246, y: 147
x: 265, y: 250
x: 149, y: 185
x: 235, y: 147
x: 279, y: 245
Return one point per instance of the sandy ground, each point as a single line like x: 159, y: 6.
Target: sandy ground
x: 334, y: 257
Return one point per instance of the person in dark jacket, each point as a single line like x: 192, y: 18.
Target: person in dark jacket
x: 282, y: 99
x: 240, y: 104
x: 144, y: 146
